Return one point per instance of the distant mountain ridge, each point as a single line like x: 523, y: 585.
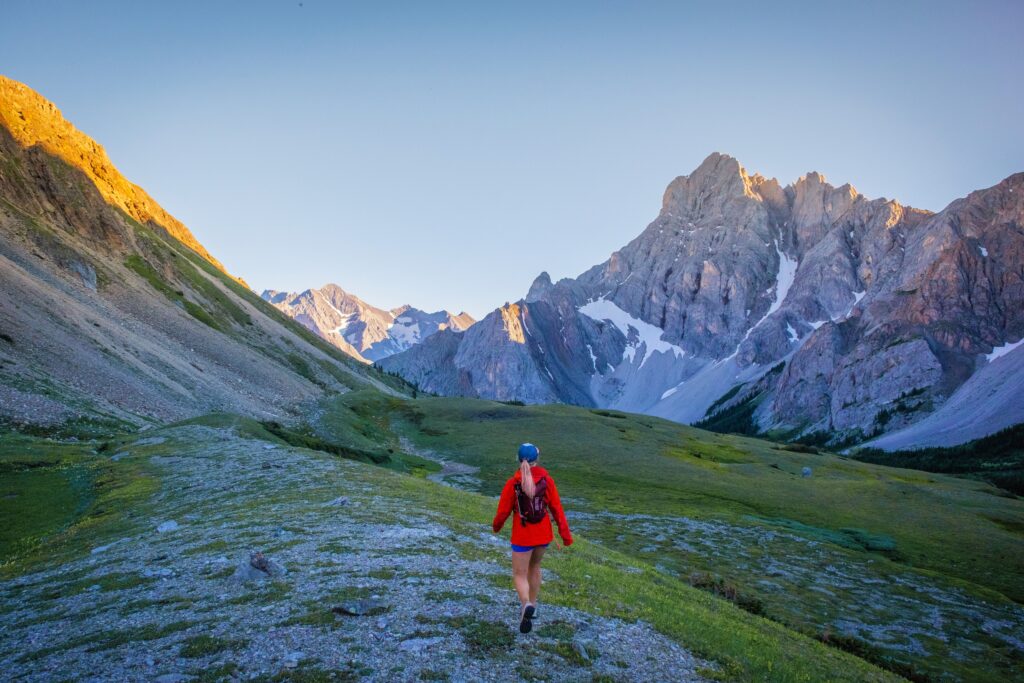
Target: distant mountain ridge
x: 361, y: 330
x: 806, y: 311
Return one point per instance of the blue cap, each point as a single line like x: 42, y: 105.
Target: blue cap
x: 528, y: 452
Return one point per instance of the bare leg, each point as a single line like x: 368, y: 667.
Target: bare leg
x: 534, y: 574
x: 520, y: 575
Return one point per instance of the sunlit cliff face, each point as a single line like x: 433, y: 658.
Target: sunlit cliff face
x: 34, y: 121
x: 511, y: 316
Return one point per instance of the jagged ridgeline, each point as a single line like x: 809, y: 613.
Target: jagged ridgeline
x: 806, y: 312
x: 363, y: 331
x: 112, y: 313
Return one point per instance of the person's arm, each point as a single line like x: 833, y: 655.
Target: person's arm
x: 504, y: 506
x: 555, y: 505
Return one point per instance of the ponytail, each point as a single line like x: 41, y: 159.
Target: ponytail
x: 529, y: 487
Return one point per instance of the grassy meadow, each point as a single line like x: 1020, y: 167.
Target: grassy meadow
x: 830, y: 555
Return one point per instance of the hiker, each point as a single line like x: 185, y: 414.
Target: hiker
x: 531, y: 492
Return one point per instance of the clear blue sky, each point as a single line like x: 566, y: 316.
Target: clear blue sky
x: 443, y: 154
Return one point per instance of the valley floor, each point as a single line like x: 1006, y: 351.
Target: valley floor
x: 374, y: 575
x: 164, y: 603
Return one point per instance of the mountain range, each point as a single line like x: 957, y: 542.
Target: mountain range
x: 361, y: 330
x: 804, y: 312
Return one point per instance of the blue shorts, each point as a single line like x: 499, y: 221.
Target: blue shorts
x: 526, y: 548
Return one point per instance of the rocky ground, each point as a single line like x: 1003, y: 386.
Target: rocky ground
x: 875, y: 601
x: 351, y: 583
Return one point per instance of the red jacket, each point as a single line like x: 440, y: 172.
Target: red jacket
x: 532, y: 534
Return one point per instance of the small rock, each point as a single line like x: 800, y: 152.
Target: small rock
x: 269, y: 447
x: 293, y: 659
x: 169, y: 525
x: 259, y: 561
x: 359, y: 608
x: 172, y: 678
x: 257, y: 567
x: 117, y: 456
x: 161, y: 572
x: 93, y: 588
x: 338, y: 502
x: 805, y: 472
x: 104, y: 548
x: 418, y: 645
x: 581, y: 650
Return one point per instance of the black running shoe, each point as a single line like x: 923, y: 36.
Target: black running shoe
x: 526, y: 625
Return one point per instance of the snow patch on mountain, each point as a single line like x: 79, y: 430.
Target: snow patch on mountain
x: 635, y: 331
x: 1001, y: 351
x: 783, y: 282
x: 363, y: 331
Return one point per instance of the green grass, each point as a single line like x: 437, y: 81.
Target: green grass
x: 310, y: 673
x: 143, y: 269
x: 567, y: 652
x: 641, y: 464
x: 39, y: 495
x: 205, y: 645
x: 224, y: 672
x: 114, y: 581
x: 557, y: 630
x: 483, y: 638
x: 99, y: 641
x: 63, y: 496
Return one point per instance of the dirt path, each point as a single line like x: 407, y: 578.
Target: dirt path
x: 454, y: 474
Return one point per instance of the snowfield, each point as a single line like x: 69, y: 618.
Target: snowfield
x: 647, y: 334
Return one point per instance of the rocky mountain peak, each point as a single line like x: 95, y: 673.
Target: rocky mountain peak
x: 718, y: 180
x: 541, y: 286
x: 363, y: 331
x: 839, y: 314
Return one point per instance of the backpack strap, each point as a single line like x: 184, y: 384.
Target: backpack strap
x: 518, y: 504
